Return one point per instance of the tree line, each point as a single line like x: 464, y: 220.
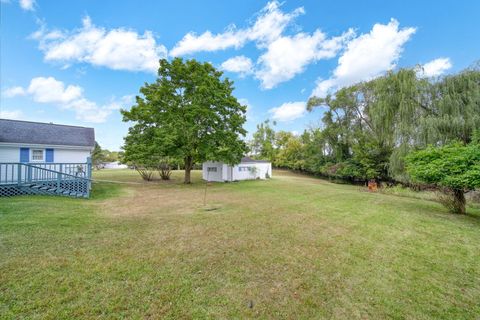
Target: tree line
x: 381, y: 129
x: 371, y: 130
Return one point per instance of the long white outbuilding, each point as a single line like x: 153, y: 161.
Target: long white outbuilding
x: 247, y: 169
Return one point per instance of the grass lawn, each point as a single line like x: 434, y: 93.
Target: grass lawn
x: 292, y: 247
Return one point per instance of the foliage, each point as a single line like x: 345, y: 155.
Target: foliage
x: 189, y: 113
x: 368, y: 128
x: 263, y: 143
x: 454, y: 167
x: 100, y: 156
x: 97, y: 156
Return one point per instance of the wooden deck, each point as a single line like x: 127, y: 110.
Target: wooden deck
x: 59, y: 179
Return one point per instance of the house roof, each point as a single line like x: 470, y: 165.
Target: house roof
x: 250, y: 160
x: 16, y: 131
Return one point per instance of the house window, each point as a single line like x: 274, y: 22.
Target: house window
x: 212, y: 169
x: 242, y: 169
x: 37, y: 155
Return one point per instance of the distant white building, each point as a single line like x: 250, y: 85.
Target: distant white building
x: 114, y: 165
x: 247, y: 169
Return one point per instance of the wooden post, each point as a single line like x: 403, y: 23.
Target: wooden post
x: 89, y: 174
x: 29, y: 174
x: 19, y: 173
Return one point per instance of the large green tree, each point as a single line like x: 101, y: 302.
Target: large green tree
x: 455, y: 168
x: 188, y: 113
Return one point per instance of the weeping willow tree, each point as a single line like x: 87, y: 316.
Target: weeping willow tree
x: 366, y: 122
x: 455, y: 108
x: 372, y: 126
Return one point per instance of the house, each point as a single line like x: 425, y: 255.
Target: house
x: 247, y: 169
x: 36, y: 155
x: 36, y: 142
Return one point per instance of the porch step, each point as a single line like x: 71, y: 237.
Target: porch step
x: 50, y: 190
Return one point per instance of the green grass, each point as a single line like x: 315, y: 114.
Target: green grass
x: 290, y: 247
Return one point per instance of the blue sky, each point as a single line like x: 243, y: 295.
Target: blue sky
x: 79, y: 62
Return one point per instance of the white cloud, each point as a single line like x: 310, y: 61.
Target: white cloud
x: 434, y: 68
x: 283, y: 56
x: 69, y: 97
x: 118, y: 49
x: 28, y: 5
x: 238, y: 64
x: 11, y: 114
x: 271, y: 23
x: 367, y: 56
x: 50, y: 90
x: 268, y: 26
x: 13, y: 92
x: 123, y: 103
x: 289, y: 111
x: 207, y: 41
x: 288, y: 56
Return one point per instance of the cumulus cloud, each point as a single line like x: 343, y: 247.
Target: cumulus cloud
x: 268, y: 26
x: 11, y: 114
x: 283, y: 56
x: 288, y: 56
x: 14, y: 91
x: 50, y: 90
x: 117, y: 49
x: 68, y: 97
x: 434, y: 68
x: 28, y: 5
x: 367, y: 56
x: 238, y: 64
x: 288, y: 111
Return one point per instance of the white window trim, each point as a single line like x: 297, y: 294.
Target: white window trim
x: 212, y: 169
x: 43, y: 155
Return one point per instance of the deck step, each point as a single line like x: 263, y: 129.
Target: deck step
x: 36, y: 186
x: 28, y: 185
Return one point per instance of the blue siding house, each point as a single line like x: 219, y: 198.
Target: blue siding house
x: 33, y: 154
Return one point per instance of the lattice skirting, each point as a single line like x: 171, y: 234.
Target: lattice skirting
x: 10, y: 191
x: 75, y: 186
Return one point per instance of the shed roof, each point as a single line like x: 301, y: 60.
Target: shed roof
x: 250, y: 160
x: 17, y: 131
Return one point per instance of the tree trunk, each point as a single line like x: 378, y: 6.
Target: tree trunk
x: 188, y: 168
x: 460, y: 201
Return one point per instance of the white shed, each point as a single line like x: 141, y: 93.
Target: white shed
x: 247, y: 169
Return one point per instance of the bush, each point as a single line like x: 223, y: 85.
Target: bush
x: 145, y: 172
x: 164, y: 170
x: 453, y: 168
